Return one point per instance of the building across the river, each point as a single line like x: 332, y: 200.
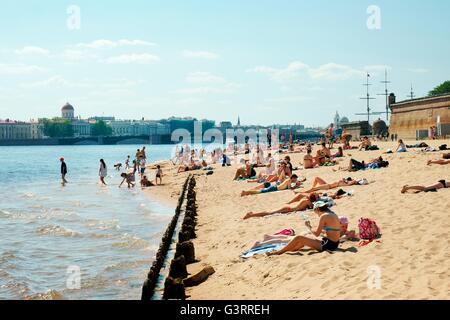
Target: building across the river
x: 17, y: 130
x: 417, y: 118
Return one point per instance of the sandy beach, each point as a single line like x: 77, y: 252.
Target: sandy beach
x: 411, y: 256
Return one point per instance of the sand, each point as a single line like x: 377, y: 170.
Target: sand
x: 410, y: 262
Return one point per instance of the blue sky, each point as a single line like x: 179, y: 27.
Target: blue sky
x: 267, y: 61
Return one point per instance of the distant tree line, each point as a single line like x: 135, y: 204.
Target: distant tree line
x: 62, y: 128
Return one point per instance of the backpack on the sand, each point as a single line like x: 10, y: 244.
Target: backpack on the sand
x: 368, y: 229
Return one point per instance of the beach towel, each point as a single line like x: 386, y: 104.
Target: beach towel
x: 262, y: 250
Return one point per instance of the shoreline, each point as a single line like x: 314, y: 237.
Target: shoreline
x: 409, y: 255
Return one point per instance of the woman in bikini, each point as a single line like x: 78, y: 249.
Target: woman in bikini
x: 442, y: 184
x: 302, y: 205
x: 320, y: 184
x: 329, y: 222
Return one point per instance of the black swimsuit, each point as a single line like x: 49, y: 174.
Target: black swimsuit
x: 328, y: 245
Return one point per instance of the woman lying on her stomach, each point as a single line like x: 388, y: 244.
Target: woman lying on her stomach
x: 329, y: 222
x: 442, y: 184
x: 321, y: 185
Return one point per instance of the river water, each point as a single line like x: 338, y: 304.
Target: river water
x: 81, y: 240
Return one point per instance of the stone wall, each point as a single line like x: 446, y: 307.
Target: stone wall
x: 410, y: 117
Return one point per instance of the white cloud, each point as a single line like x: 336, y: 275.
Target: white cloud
x: 30, y: 50
x: 208, y: 84
x: 228, y: 88
x: 200, y: 54
x: 418, y: 70
x: 292, y: 71
x: 329, y: 71
x: 19, y: 69
x: 334, y: 71
x: 55, y: 81
x: 204, y: 77
x: 292, y: 99
x: 139, y: 58
x: 102, y: 43
x: 72, y: 55
x: 59, y: 81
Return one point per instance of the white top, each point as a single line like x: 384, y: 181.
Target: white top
x: 103, y: 172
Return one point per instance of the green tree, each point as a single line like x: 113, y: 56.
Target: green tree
x: 57, y: 128
x: 443, y: 88
x: 101, y: 128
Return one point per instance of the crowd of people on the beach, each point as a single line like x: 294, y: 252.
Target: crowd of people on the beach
x: 134, y: 167
x: 256, y: 164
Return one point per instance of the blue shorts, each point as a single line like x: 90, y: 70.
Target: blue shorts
x: 269, y: 189
x: 142, y: 170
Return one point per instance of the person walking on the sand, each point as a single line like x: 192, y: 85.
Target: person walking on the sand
x: 63, y: 170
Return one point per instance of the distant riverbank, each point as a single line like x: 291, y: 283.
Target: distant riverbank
x: 120, y: 140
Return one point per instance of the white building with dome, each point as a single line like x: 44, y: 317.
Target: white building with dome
x: 81, y: 128
x: 68, y: 112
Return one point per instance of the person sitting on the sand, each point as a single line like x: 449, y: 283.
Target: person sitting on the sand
x: 146, y: 183
x: 302, y: 205
x: 320, y: 184
x: 270, y: 165
x: 286, y: 238
x: 279, y: 176
x: 291, y: 183
x: 289, y: 167
x: 401, y: 146
x: 323, y: 155
x: 328, y: 222
x: 365, y: 144
x: 442, y: 184
x: 338, y: 154
x: 308, y: 160
x: 246, y: 172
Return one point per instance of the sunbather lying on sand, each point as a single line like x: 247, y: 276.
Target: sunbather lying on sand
x: 320, y: 184
x: 329, y: 222
x: 442, y: 184
x: 441, y: 162
x: 302, y: 205
x: 290, y: 183
x: 321, y: 196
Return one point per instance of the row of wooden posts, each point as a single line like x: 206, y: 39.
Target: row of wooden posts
x: 175, y: 283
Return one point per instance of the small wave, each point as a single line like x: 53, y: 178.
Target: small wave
x: 49, y: 295
x: 127, y: 265
x: 103, y: 224
x: 131, y: 242
x: 57, y: 231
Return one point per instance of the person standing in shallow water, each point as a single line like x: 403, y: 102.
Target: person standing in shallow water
x: 63, y: 171
x: 103, y: 171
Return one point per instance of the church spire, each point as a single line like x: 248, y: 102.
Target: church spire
x: 239, y: 121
